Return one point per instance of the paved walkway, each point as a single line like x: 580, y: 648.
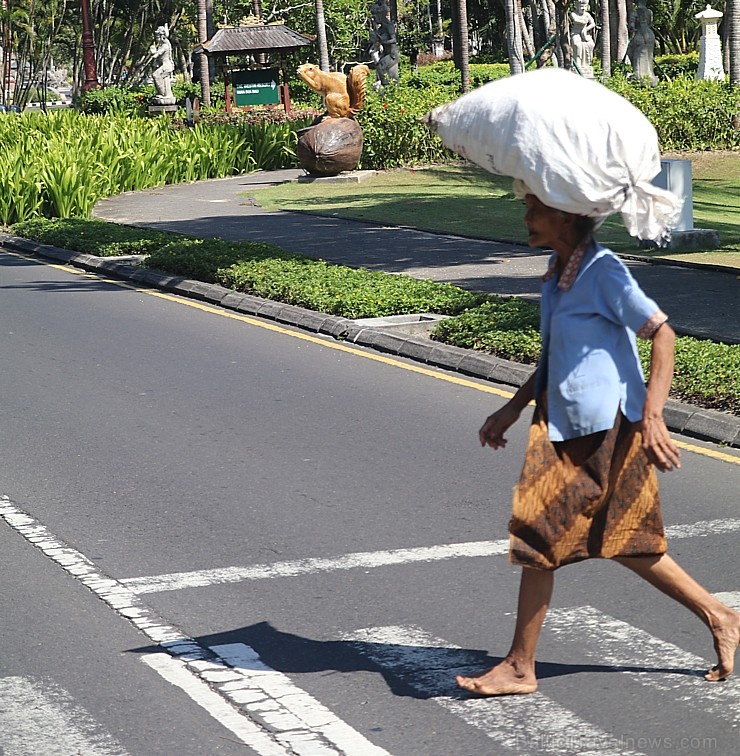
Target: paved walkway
x: 700, y: 302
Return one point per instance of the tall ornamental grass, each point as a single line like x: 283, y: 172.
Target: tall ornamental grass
x: 60, y: 164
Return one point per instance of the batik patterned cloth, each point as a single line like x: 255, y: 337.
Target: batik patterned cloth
x: 590, y: 497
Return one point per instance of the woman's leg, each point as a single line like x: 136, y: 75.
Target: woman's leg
x: 724, y: 623
x: 515, y: 674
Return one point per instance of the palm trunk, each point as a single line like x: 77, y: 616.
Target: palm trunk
x: 606, y: 47
x: 734, y: 8
x: 462, y: 38
x: 321, y: 36
x: 513, y: 38
x: 203, y: 66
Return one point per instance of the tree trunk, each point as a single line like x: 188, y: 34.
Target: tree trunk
x: 321, y: 36
x: 513, y: 38
x: 606, y: 47
x: 527, y: 43
x: 462, y: 36
x: 203, y: 67
x: 562, y: 24
x: 734, y: 22
x: 619, y: 30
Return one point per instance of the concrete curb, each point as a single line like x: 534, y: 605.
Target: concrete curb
x: 705, y: 424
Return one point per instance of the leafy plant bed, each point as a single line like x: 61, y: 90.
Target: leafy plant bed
x: 707, y: 374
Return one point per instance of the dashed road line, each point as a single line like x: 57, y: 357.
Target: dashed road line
x: 371, y: 560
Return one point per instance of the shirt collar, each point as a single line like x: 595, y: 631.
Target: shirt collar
x: 567, y: 277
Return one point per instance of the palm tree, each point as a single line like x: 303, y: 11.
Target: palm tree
x: 203, y: 68
x: 733, y: 6
x: 606, y: 43
x: 462, y: 37
x: 321, y: 36
x: 513, y: 38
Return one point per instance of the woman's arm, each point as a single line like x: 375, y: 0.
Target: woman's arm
x: 656, y: 442
x: 492, y: 432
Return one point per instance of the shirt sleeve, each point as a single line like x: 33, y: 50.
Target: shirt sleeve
x: 622, y: 301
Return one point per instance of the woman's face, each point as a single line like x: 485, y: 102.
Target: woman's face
x: 545, y: 225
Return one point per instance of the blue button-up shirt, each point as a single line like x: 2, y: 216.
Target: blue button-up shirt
x: 590, y: 366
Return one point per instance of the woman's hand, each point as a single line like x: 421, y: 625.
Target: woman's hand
x: 658, y: 445
x: 492, y: 432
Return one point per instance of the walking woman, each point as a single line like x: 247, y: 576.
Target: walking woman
x: 588, y: 488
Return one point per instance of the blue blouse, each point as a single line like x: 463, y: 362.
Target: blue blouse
x: 590, y: 366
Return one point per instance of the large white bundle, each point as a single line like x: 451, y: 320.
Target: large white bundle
x: 578, y: 146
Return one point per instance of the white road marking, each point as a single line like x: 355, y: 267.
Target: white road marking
x: 525, y: 724
x: 176, y: 673
x: 194, y: 664
x: 618, y: 644
x: 176, y: 581
x: 292, y: 714
x: 40, y: 718
x: 730, y: 598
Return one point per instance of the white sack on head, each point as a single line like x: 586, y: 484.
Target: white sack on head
x: 580, y: 147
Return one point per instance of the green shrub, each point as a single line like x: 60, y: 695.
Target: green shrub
x: 505, y: 326
x: 91, y: 236
x: 687, y: 114
x: 271, y: 273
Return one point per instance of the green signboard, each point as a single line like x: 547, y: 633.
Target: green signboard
x: 258, y: 87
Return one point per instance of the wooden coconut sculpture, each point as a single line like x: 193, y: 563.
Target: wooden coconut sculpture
x: 334, y: 142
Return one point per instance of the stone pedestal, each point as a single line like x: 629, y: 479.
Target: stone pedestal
x: 159, y: 109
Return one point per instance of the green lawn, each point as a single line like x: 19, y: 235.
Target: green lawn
x: 464, y: 199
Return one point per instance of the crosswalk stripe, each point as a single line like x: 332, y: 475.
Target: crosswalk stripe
x: 371, y: 560
x: 175, y: 672
x: 40, y: 718
x: 652, y: 662
x: 429, y: 665
x: 295, y: 717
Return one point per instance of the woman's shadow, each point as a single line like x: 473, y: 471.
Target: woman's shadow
x: 414, y: 671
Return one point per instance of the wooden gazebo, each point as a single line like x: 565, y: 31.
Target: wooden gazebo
x: 255, y: 84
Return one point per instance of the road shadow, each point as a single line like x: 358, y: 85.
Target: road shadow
x: 412, y: 671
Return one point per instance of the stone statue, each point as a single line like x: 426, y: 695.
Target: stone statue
x: 384, y: 49
x: 162, y: 75
x: 641, y: 48
x: 582, y: 24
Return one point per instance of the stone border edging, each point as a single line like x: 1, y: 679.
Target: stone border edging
x: 706, y: 424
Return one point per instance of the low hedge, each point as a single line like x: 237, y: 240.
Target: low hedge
x: 706, y: 374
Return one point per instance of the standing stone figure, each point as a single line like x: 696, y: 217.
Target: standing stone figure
x: 384, y: 51
x: 641, y: 48
x: 162, y: 75
x: 581, y: 25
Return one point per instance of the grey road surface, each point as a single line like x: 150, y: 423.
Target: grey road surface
x: 325, y: 520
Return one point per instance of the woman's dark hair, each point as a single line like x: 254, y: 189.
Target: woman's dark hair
x: 585, y: 226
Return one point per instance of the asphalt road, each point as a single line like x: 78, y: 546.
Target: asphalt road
x: 322, y: 519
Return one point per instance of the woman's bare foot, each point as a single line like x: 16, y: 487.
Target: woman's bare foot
x: 504, y: 679
x: 726, y: 641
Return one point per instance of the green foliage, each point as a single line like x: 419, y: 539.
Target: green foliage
x: 505, y: 326
x: 59, y: 164
x: 672, y: 66
x: 392, y: 134
x: 706, y: 373
x: 271, y: 273
x: 91, y: 236
x: 687, y: 114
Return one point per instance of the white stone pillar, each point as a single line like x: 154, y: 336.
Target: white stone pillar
x: 710, y: 48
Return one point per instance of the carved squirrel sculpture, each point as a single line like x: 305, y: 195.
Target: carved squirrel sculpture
x: 343, y: 95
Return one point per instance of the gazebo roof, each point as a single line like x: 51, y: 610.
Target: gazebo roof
x: 251, y: 39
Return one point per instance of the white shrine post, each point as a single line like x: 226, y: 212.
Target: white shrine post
x: 710, y: 49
